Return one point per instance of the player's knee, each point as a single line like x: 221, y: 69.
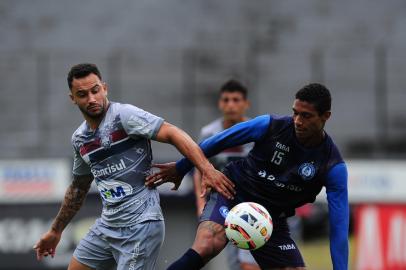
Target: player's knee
x: 209, y: 244
x: 205, y: 244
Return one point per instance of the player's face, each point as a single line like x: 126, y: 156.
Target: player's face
x: 233, y: 105
x: 308, y: 122
x: 90, y: 94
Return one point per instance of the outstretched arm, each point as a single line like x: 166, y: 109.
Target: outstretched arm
x: 337, y: 196
x: 239, y: 134
x: 197, y: 184
x: 170, y: 134
x: 74, y: 197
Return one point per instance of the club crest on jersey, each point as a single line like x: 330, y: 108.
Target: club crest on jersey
x: 307, y: 171
x: 224, y: 211
x: 106, y: 141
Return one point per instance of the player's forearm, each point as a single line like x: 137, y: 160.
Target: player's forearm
x: 238, y: 134
x: 197, y: 183
x: 339, y: 250
x: 187, y: 147
x: 74, y: 198
x: 337, y: 197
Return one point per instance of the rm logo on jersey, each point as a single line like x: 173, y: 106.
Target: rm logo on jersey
x: 114, y: 191
x: 307, y: 171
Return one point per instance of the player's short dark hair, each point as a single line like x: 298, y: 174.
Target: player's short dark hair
x: 234, y: 86
x: 82, y: 70
x: 316, y: 94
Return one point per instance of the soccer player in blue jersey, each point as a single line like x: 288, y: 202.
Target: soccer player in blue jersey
x: 112, y: 146
x: 233, y: 104
x: 292, y: 159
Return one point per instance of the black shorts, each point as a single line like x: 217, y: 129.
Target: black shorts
x: 280, y: 251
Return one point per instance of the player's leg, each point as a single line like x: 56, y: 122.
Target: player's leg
x: 280, y: 252
x: 249, y: 266
x: 92, y: 252
x: 210, y: 236
x: 76, y: 265
x: 210, y: 240
x: 279, y: 268
x: 137, y: 247
x: 231, y: 253
x: 247, y: 261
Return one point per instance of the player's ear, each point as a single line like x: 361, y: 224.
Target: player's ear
x: 71, y: 98
x: 326, y: 115
x: 248, y: 104
x: 105, y: 87
x: 219, y: 105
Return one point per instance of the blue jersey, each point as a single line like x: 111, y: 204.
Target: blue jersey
x: 281, y: 174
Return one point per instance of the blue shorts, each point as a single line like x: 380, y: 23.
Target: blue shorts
x: 280, y: 251
x: 134, y: 247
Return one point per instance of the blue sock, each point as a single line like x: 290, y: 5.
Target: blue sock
x: 191, y: 260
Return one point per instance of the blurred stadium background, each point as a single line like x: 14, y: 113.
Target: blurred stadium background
x: 169, y: 57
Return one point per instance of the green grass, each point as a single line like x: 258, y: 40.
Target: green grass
x: 317, y: 254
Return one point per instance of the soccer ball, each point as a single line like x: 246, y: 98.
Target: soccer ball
x: 248, y: 225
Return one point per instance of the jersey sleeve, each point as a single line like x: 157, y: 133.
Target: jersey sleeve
x: 139, y: 123
x: 239, y: 134
x: 80, y: 167
x: 337, y: 197
x: 204, y: 134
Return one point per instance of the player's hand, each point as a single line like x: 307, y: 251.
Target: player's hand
x: 167, y: 173
x: 212, y: 178
x: 47, y: 244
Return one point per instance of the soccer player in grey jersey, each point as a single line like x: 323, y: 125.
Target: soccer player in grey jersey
x: 112, y: 146
x: 233, y: 104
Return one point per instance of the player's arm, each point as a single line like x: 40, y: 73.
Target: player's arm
x: 73, y: 200
x: 239, y: 134
x: 184, y: 143
x: 337, y: 196
x: 139, y: 123
x: 197, y: 184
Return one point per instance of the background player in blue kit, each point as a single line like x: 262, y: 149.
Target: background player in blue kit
x: 233, y: 104
x: 112, y: 146
x: 293, y: 158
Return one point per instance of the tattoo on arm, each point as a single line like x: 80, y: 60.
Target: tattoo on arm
x: 216, y: 230
x: 74, y: 197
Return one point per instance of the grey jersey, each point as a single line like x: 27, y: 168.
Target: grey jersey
x: 118, y: 155
x: 222, y: 159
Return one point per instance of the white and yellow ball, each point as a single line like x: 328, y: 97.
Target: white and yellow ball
x: 248, y: 225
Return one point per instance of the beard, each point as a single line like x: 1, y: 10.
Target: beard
x: 97, y: 114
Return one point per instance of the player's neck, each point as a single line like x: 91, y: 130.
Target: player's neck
x: 227, y: 123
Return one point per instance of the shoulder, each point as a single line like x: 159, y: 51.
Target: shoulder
x: 78, y: 133
x: 129, y: 112
x: 124, y: 108
x: 335, y: 155
x: 212, y: 128
x: 281, y: 119
x: 279, y: 123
